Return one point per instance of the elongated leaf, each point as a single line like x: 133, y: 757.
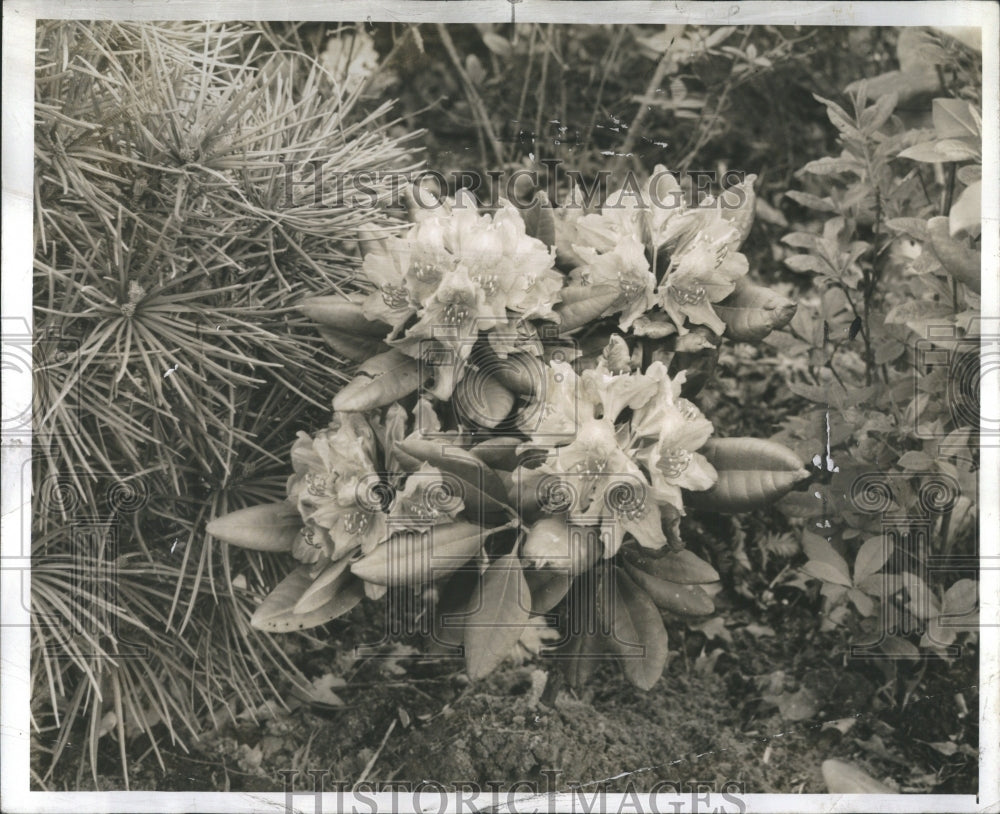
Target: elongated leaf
x: 955, y: 118
x: 838, y: 116
x: 418, y: 557
x: 917, y: 310
x: 381, y: 380
x: 353, y: 348
x: 584, y: 304
x: 820, y: 549
x: 742, y: 491
x: 323, y: 587
x: 750, y: 453
x: 636, y: 615
x: 482, y: 399
x: 590, y: 620
x: 349, y: 594
x: 961, y: 600
x: 684, y: 600
x: 825, y: 572
x: 941, y: 151
x: 520, y: 373
x: 548, y: 586
x: 502, y: 606
x: 921, y: 601
x: 681, y: 567
x: 871, y: 557
x: 872, y: 118
x: 342, y: 315
x: 751, y: 312
x: 956, y: 257
x: 831, y: 165
x: 958, y: 614
x: 276, y: 614
x: 498, y: 453
x: 538, y: 220
x: 811, y: 202
x: 271, y: 527
x: 752, y: 473
x: 485, y: 494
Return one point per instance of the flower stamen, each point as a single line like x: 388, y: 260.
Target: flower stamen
x: 687, y: 296
x: 674, y: 462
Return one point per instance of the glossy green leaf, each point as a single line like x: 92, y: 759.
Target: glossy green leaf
x: 583, y: 304
x: 271, y: 527
x: 751, y: 312
x: 381, y: 380
x: 752, y: 473
x: 343, y: 315
x: 500, y: 607
x: 638, y: 622
x: 683, y: 600
x: 682, y: 566
x: 418, y: 557
x: 276, y: 614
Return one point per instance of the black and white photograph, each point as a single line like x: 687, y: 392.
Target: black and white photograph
x: 501, y: 407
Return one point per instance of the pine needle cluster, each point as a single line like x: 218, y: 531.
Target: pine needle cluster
x: 176, y: 227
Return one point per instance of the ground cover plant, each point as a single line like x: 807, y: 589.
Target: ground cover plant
x: 613, y: 408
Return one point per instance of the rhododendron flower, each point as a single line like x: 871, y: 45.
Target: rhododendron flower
x: 407, y: 272
x: 556, y: 412
x: 426, y: 499
x: 391, y: 301
x: 701, y: 245
x: 640, y: 212
x: 460, y: 272
x: 455, y: 312
x: 517, y: 335
x: 603, y: 483
x: 514, y: 269
x: 604, y: 391
x: 327, y: 488
x: 625, y: 266
x: 704, y: 266
x: 678, y: 428
x: 613, y: 392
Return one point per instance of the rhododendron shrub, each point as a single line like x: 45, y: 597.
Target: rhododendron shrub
x: 521, y: 438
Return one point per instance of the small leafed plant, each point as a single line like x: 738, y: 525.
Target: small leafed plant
x: 521, y: 437
x: 893, y: 363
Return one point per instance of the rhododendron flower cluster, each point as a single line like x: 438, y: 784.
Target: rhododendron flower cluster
x: 524, y: 409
